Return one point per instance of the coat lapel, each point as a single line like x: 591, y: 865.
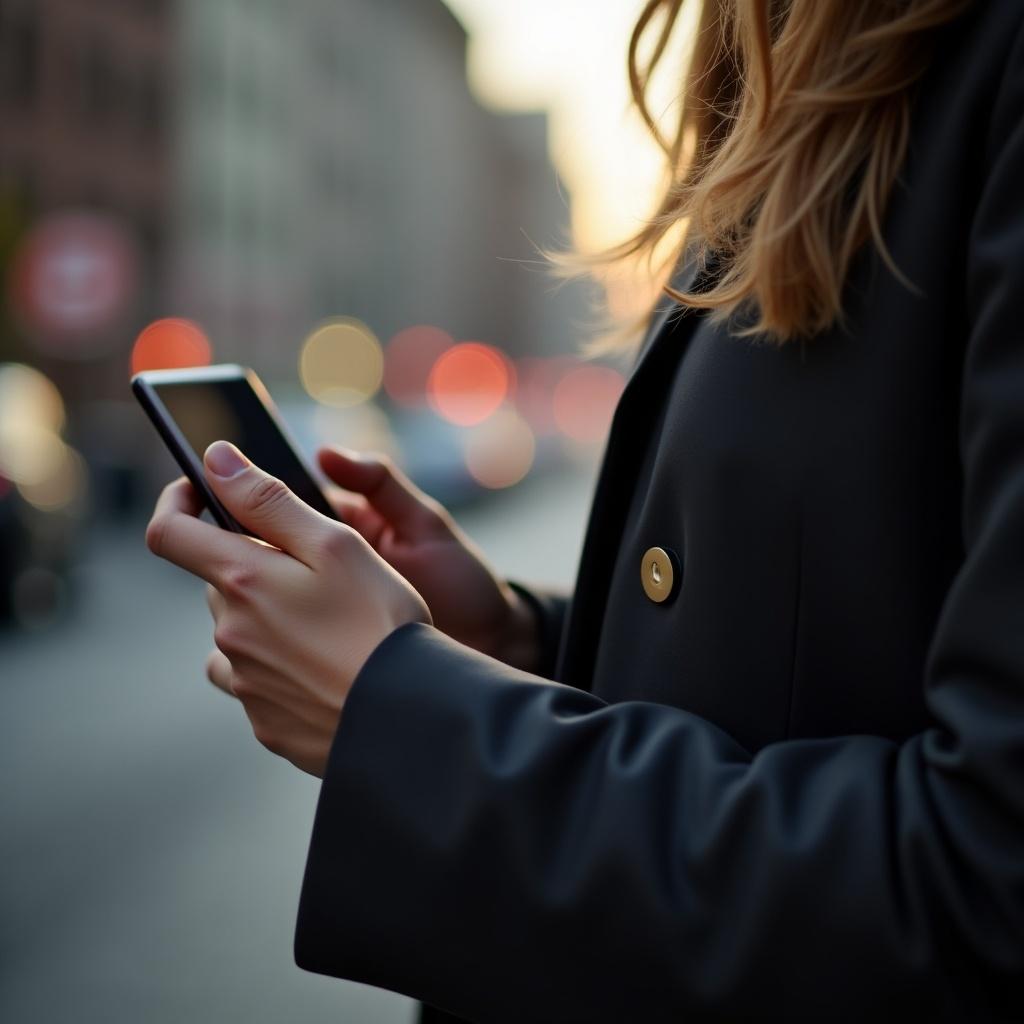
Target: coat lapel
x: 637, y: 412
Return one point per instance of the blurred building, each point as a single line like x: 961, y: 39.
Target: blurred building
x: 83, y: 122
x: 331, y: 160
x: 275, y: 164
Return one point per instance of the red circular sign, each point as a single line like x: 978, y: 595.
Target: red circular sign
x: 74, y: 277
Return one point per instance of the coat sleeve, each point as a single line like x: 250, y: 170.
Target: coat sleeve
x: 510, y: 849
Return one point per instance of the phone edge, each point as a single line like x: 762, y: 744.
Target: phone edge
x: 179, y: 449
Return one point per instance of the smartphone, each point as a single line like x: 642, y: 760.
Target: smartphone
x: 193, y: 408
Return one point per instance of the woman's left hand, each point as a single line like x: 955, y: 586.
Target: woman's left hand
x: 296, y: 617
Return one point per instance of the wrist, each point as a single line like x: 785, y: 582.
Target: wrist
x: 520, y: 645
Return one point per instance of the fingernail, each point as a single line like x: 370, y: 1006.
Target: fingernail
x: 223, y: 459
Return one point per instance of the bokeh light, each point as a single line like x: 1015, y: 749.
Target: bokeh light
x: 469, y: 382
x: 65, y: 486
x: 172, y: 343
x: 28, y: 395
x: 408, y: 359
x: 536, y: 380
x: 584, y: 401
x: 341, y: 363
x: 500, y: 451
x: 74, y: 277
x: 363, y: 427
x: 31, y: 417
x: 29, y: 453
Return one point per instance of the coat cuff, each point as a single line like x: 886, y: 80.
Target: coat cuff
x: 387, y: 818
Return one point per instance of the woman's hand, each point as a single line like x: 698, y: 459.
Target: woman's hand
x: 296, y: 617
x: 418, y: 537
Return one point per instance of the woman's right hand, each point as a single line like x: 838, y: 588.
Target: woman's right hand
x: 419, y: 538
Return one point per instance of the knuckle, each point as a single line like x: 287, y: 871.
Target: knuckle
x: 228, y: 639
x: 241, y: 686
x: 238, y: 582
x: 156, y: 534
x: 338, y: 543
x: 266, y: 495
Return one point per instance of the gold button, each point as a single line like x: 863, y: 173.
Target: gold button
x: 658, y: 574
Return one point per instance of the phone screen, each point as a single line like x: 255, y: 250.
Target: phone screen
x: 230, y: 410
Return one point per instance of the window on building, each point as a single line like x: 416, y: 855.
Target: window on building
x: 19, y: 52
x: 98, y: 91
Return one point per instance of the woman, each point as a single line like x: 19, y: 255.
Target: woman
x: 785, y: 779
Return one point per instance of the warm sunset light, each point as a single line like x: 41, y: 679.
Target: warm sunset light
x: 585, y: 400
x: 341, y: 363
x: 569, y: 59
x: 170, y: 344
x: 468, y: 383
x: 408, y: 359
x: 499, y: 451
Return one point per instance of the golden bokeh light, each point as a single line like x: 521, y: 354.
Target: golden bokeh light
x: 363, y: 427
x: 63, y: 488
x: 469, y: 382
x: 500, y: 451
x: 28, y: 396
x: 341, y: 363
x: 30, y: 453
x: 172, y: 343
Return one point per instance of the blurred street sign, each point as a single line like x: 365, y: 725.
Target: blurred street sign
x: 73, y: 279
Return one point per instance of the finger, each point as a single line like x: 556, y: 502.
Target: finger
x: 177, y: 535
x: 264, y: 505
x: 385, y: 487
x: 219, y: 671
x: 355, y: 511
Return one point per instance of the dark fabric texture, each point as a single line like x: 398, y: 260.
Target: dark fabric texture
x: 796, y: 792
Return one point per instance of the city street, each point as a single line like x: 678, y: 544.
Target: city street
x: 152, y: 852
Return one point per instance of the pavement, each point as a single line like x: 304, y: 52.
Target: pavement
x: 151, y: 850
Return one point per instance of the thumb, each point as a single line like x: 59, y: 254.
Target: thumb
x: 263, y: 504
x: 386, y: 488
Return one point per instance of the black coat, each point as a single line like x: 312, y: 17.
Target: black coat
x: 796, y: 790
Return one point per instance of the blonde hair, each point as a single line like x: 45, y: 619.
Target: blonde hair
x: 792, y: 131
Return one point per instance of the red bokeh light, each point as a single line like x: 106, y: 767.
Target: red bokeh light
x: 469, y: 382
x: 584, y: 401
x: 408, y: 360
x: 536, y: 379
x: 172, y: 343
